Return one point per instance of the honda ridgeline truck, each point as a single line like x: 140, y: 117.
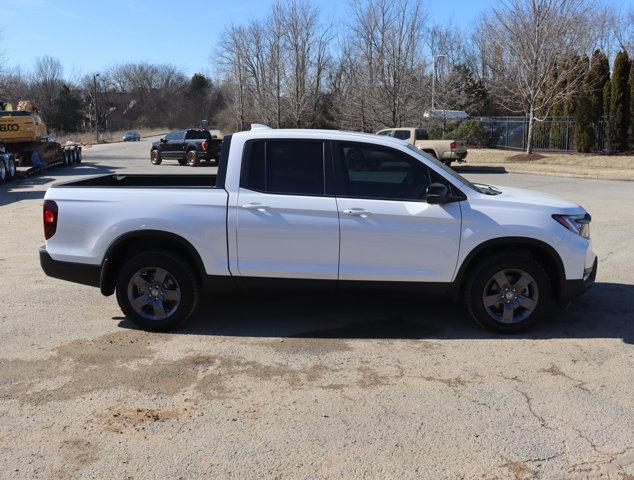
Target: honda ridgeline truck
x: 309, y: 207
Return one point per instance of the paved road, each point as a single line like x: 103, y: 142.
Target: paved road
x: 316, y: 387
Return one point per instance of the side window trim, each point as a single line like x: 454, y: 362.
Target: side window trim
x: 327, y: 166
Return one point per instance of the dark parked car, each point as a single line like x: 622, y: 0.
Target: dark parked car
x: 131, y: 137
x: 189, y: 147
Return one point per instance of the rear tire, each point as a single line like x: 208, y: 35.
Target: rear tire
x: 192, y: 158
x: 508, y: 293
x: 155, y: 157
x: 157, y: 290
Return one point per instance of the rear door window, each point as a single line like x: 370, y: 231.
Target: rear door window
x: 402, y: 134
x: 421, y: 134
x: 289, y: 167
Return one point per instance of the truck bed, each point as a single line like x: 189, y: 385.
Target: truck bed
x: 143, y: 181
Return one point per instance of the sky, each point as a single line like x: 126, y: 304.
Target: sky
x: 90, y: 35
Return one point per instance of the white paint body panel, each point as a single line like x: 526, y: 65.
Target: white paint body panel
x: 91, y: 219
x: 399, y: 241
x: 311, y: 237
x: 290, y: 236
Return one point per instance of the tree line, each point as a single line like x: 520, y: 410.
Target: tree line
x: 125, y: 96
x: 375, y: 68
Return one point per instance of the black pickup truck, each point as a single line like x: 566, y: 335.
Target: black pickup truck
x: 189, y: 147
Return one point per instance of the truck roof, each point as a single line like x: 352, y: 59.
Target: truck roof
x: 288, y: 133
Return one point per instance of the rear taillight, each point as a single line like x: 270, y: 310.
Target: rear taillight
x: 50, y: 218
x: 453, y: 145
x: 205, y: 145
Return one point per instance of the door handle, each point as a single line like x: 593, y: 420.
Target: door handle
x: 357, y: 212
x: 256, y: 206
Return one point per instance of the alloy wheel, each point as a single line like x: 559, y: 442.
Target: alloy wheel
x: 510, y: 296
x: 154, y: 293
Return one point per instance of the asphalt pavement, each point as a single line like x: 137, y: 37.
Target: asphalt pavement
x: 289, y: 387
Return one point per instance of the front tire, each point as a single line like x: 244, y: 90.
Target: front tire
x: 508, y: 293
x: 157, y: 290
x: 3, y: 171
x: 155, y: 157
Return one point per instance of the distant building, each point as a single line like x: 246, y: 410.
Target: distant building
x: 446, y: 114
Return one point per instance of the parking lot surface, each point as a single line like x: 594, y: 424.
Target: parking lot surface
x: 281, y: 386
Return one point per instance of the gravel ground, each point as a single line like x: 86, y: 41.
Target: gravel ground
x: 312, y: 387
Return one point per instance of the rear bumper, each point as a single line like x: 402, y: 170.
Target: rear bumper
x: 572, y: 289
x: 72, y: 272
x: 458, y: 156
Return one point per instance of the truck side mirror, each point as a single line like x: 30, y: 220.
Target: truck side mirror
x: 162, y: 140
x: 437, y: 193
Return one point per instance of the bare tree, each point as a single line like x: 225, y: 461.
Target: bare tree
x: 48, y: 77
x: 275, y: 25
x: 306, y: 42
x: 387, y: 59
x: 534, y: 50
x: 624, y: 31
x: 232, y: 58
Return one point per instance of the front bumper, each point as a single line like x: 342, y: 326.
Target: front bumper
x: 571, y: 289
x: 82, y: 273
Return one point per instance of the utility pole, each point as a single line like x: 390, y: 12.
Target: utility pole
x: 94, y: 81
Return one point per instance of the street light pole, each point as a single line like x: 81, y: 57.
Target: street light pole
x: 94, y: 81
x: 433, y: 80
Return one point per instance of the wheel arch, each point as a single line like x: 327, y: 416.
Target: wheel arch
x: 538, y: 250
x: 132, y: 243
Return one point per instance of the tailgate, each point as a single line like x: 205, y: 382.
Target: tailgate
x: 461, y: 146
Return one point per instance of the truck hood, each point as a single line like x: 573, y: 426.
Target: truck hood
x: 521, y: 196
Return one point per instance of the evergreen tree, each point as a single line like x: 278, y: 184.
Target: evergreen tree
x: 607, y: 101
x: 632, y: 102
x: 619, y: 124
x: 598, y: 76
x: 583, y: 131
x: 66, y: 111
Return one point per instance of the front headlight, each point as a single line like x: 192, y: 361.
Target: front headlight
x: 579, y: 224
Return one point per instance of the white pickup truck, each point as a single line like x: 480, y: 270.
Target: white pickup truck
x: 305, y: 208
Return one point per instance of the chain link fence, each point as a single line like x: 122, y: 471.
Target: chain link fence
x: 552, y: 133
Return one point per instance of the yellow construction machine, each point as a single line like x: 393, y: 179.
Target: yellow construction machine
x: 25, y: 135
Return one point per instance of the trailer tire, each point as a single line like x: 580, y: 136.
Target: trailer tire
x: 12, y: 171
